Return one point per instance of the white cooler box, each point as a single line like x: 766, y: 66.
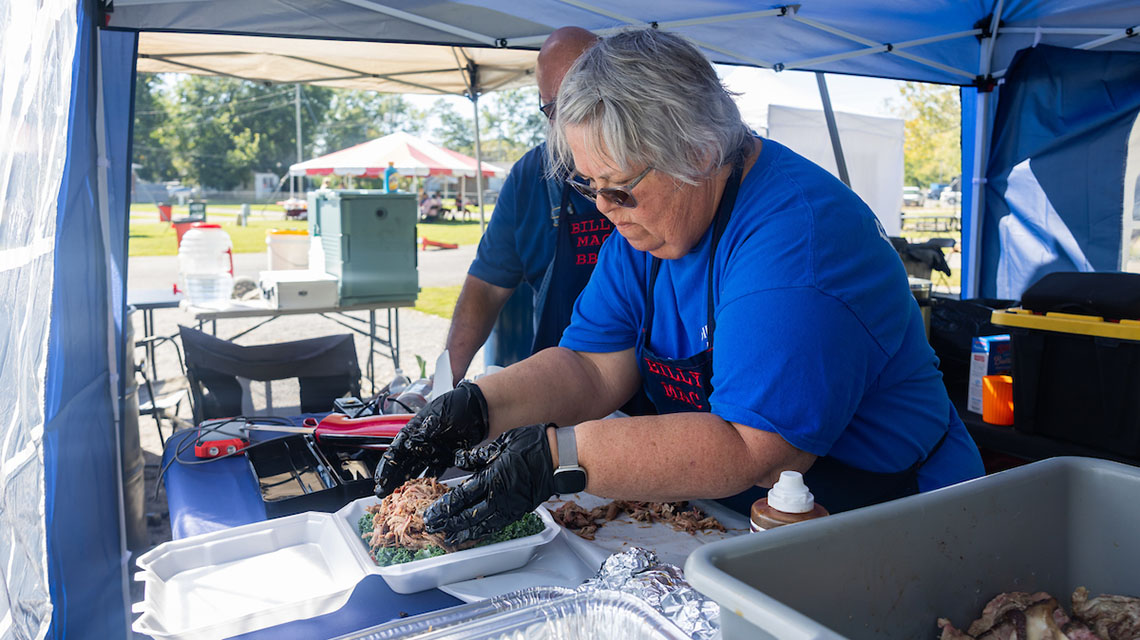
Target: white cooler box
x: 298, y: 289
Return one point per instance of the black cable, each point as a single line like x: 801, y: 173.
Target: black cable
x: 189, y: 441
x: 406, y: 407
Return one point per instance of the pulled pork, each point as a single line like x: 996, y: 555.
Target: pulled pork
x: 1023, y: 616
x: 1110, y: 616
x: 680, y: 515
x: 398, y: 521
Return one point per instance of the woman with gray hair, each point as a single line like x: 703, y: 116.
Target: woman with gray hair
x: 751, y: 294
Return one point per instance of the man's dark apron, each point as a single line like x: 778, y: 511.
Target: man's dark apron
x: 580, y: 238
x: 678, y: 385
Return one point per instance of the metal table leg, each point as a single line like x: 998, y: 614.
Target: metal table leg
x: 394, y: 335
x: 372, y: 348
x: 148, y: 332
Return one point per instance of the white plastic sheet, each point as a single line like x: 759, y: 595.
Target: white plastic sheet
x: 37, y: 44
x: 872, y: 148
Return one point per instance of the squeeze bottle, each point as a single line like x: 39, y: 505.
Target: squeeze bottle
x: 789, y: 501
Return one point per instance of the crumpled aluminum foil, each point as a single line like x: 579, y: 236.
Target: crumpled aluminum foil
x: 638, y: 572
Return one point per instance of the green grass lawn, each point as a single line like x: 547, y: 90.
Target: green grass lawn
x: 152, y: 238
x: 438, y: 301
x: 149, y: 237
x: 456, y: 232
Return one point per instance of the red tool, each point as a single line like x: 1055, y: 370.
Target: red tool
x: 338, y: 430
x: 216, y: 438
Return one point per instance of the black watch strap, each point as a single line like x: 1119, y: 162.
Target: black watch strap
x: 569, y: 477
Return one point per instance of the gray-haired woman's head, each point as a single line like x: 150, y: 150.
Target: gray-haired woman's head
x: 648, y: 98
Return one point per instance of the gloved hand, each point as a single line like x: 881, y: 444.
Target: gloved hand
x: 455, y: 420
x: 514, y: 474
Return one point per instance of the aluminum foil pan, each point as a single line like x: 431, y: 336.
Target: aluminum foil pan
x: 638, y: 572
x: 536, y: 614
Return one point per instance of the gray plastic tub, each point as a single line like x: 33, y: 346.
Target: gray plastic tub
x: 890, y: 571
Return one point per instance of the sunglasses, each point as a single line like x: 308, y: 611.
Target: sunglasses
x: 548, y: 108
x: 621, y: 196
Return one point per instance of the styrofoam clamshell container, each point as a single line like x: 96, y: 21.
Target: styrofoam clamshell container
x: 891, y: 570
x: 229, y: 582
x: 429, y: 573
x: 237, y: 580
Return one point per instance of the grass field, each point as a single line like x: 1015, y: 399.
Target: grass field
x: 438, y: 301
x: 149, y: 237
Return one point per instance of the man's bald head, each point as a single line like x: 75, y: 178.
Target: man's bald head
x: 558, y: 53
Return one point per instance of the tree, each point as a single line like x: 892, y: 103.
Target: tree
x: 354, y: 117
x: 514, y: 121
x: 221, y: 130
x: 455, y: 132
x: 932, y: 150
x: 510, y: 124
x: 154, y: 160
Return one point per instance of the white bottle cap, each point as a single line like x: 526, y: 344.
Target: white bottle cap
x: 790, y: 494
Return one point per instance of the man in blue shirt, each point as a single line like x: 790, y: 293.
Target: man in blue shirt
x: 542, y: 232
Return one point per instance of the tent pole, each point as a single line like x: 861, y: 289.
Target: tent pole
x: 832, y: 129
x: 297, y: 114
x: 972, y: 285
x: 478, y: 164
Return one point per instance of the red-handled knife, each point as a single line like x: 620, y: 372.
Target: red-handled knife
x: 338, y: 430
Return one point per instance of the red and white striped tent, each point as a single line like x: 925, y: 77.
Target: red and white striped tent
x: 411, y: 156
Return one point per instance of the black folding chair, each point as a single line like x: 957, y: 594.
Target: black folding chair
x: 326, y: 369
x: 159, y: 407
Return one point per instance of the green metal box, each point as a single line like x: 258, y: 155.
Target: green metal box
x: 368, y: 238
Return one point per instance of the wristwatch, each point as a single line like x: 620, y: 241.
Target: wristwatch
x: 568, y: 477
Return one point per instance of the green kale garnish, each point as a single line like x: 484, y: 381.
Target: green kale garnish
x: 528, y: 525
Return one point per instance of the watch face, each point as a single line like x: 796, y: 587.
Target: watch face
x: 569, y: 480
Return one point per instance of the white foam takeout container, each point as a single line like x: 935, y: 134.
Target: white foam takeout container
x: 238, y: 580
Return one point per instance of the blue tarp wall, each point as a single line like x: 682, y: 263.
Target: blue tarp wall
x: 83, y: 498
x: 1055, y: 178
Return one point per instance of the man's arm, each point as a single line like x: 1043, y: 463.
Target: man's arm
x: 475, y: 313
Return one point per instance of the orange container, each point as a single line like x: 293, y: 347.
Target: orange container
x: 997, y: 400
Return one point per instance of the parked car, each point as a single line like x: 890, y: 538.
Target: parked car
x: 951, y: 196
x: 912, y: 197
x: 936, y: 189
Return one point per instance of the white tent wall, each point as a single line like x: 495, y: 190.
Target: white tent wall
x: 872, y: 147
x: 37, y: 44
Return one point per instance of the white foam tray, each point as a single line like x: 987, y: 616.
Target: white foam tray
x: 230, y: 582
x: 429, y: 573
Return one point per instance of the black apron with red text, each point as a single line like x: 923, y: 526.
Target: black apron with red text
x: 580, y: 237
x: 677, y: 385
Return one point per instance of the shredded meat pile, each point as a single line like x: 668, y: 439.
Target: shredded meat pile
x: 1024, y: 616
x: 398, y: 521
x: 678, y: 514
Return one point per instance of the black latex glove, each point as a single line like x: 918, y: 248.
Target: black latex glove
x: 454, y: 421
x: 514, y: 474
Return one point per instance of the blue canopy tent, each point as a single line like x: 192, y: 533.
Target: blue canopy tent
x: 69, y: 67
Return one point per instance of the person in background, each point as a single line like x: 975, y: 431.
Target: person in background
x: 752, y: 295
x: 542, y: 232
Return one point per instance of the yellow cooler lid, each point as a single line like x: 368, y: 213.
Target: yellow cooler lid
x: 1067, y: 323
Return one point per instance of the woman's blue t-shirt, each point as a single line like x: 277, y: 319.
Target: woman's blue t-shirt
x: 817, y: 337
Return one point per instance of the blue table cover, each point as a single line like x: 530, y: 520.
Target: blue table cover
x: 224, y: 493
